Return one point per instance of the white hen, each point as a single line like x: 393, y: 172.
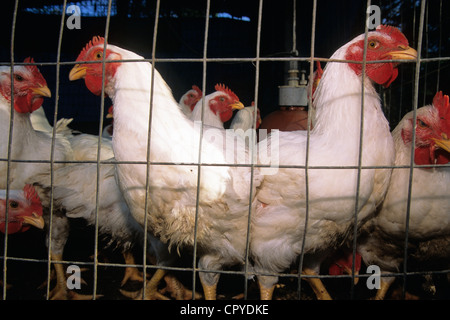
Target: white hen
x: 27, y: 144
x: 218, y: 226
x: 219, y: 107
x: 189, y: 99
x: 283, y: 203
x: 383, y: 239
x: 244, y: 119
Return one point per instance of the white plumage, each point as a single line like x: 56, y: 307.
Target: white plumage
x: 223, y: 203
x: 278, y: 225
x: 244, y: 119
x: 189, y: 99
x: 383, y: 239
x: 218, y: 107
x: 74, y: 192
x: 40, y: 123
x: 27, y: 144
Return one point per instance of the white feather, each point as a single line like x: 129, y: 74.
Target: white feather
x: 26, y: 144
x: 383, y: 241
x: 278, y: 225
x: 223, y: 203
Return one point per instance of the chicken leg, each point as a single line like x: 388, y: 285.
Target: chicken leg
x: 151, y: 290
x: 60, y: 291
x: 316, y: 284
x: 348, y: 271
x: 131, y: 273
x: 177, y: 289
x: 266, y: 293
x: 209, y: 291
x: 56, y: 241
x: 385, y: 284
x: 174, y: 287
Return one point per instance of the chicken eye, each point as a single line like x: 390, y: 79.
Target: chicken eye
x: 99, y: 55
x: 422, y: 124
x: 221, y: 99
x: 18, y: 77
x: 13, y: 204
x: 372, y: 44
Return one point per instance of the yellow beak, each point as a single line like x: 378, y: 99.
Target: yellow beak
x: 42, y: 91
x: 36, y: 220
x: 405, y: 53
x: 443, y: 143
x: 237, y: 105
x: 77, y: 72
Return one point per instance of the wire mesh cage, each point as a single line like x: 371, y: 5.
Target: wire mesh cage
x: 251, y: 47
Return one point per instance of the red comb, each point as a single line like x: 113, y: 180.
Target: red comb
x: 223, y: 88
x: 441, y: 103
x: 31, y: 194
x: 96, y: 40
x: 32, y: 68
x: 35, y: 71
x: 197, y: 89
x: 393, y: 32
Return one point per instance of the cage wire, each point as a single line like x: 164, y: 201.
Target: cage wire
x: 424, y: 81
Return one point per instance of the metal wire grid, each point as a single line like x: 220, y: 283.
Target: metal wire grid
x: 204, y: 60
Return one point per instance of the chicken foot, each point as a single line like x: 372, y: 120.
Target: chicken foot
x: 209, y: 291
x: 151, y: 290
x: 60, y: 291
x: 177, y: 289
x: 131, y: 273
x: 348, y: 271
x: 316, y: 284
x: 173, y: 286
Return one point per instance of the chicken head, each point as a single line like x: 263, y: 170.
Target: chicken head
x: 92, y: 72
x: 191, y: 97
x: 224, y: 103
x: 24, y: 210
x: 432, y: 144
x: 29, y: 86
x: 386, y: 43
